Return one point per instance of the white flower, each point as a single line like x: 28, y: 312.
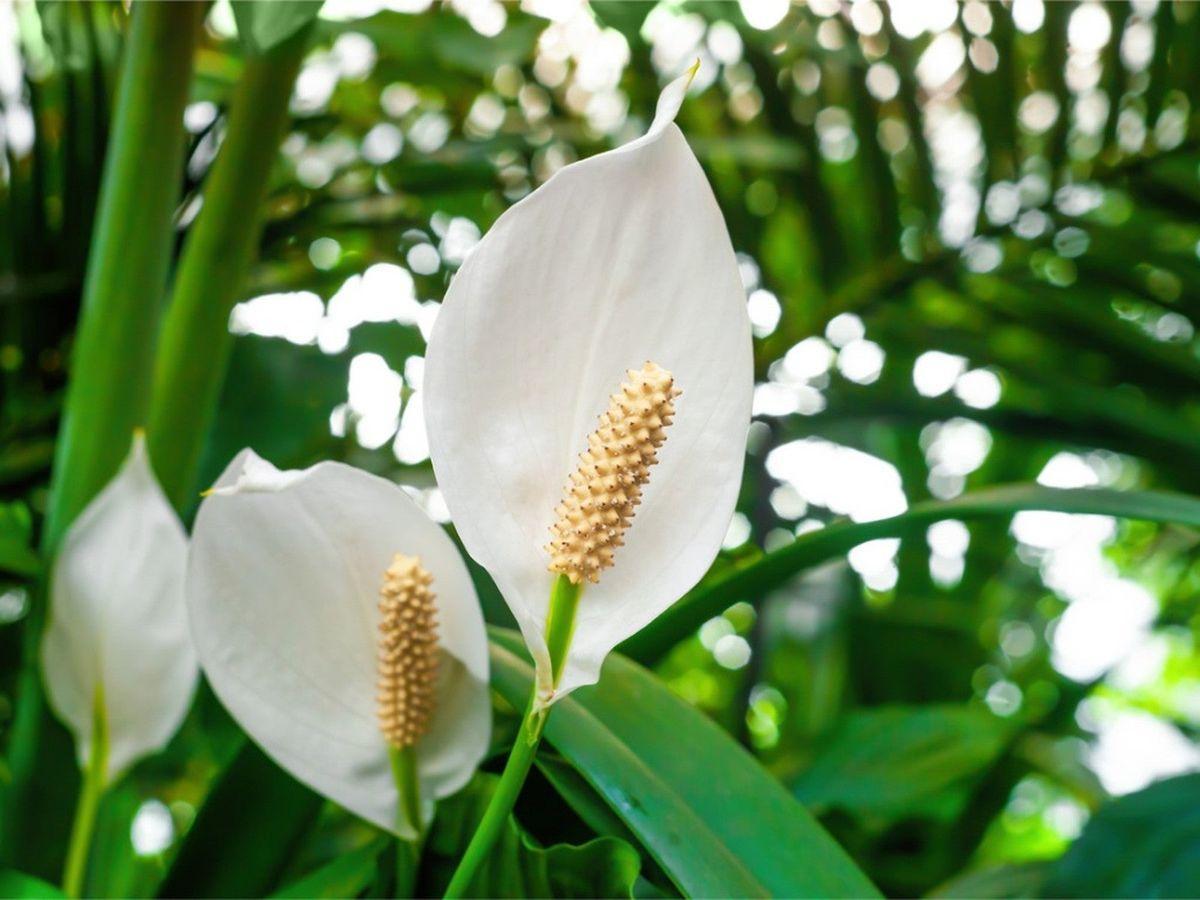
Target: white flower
x: 118, y: 634
x: 617, y: 260
x: 283, y: 589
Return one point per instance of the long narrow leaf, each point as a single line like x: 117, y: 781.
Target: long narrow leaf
x: 753, y: 581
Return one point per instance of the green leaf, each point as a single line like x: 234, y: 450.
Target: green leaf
x: 753, y: 580
x: 1016, y: 881
x: 579, y: 795
x: 898, y: 762
x: 709, y: 814
x: 17, y: 555
x: 17, y: 886
x: 345, y: 876
x: 264, y: 25
x: 460, y: 46
x: 516, y: 866
x: 1142, y: 845
x: 245, y: 833
x: 261, y: 407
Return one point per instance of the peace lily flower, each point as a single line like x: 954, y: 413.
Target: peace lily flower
x: 340, y: 628
x: 117, y: 661
x: 597, y: 337
x: 588, y: 386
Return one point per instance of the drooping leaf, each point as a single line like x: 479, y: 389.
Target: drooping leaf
x: 262, y: 26
x: 716, y: 821
x: 1144, y: 845
x: 516, y: 866
x: 897, y: 762
x: 753, y: 580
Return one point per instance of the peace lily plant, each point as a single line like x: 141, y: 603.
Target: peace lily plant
x: 116, y: 658
x: 338, y: 625
x: 588, y: 386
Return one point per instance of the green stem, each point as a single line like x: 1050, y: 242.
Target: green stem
x: 520, y: 759
x: 560, y: 623
x: 90, y: 792
x: 195, y: 344
x: 560, y: 626
x: 132, y: 240
x: 408, y: 786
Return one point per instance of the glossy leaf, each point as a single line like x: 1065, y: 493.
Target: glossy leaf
x: 710, y: 815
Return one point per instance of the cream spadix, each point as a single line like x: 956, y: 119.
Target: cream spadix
x: 606, y: 487
x: 337, y: 623
x: 116, y: 653
x: 618, y: 259
x: 408, y: 652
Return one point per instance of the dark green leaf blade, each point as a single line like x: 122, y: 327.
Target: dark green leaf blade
x: 1144, y: 845
x: 895, y: 762
x: 715, y: 820
x: 245, y: 832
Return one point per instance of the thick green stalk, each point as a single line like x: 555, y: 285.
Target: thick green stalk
x: 194, y: 348
x: 75, y: 869
x: 126, y: 279
x: 560, y: 627
x: 112, y: 361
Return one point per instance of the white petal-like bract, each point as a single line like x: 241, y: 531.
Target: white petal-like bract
x: 283, y: 592
x: 616, y: 260
x: 118, y: 626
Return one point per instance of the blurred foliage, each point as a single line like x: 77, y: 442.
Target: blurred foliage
x: 969, y: 236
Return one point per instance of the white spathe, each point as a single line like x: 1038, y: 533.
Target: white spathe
x: 283, y: 591
x: 616, y: 260
x: 118, y: 626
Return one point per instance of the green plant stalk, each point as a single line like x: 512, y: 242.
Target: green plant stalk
x: 126, y: 278
x: 111, y: 366
x: 560, y: 627
x: 94, y: 777
x: 408, y: 786
x: 194, y: 348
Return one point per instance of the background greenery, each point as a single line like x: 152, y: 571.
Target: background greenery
x: 969, y: 239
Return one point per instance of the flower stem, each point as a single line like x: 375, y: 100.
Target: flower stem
x: 408, y: 786
x: 90, y: 792
x: 560, y: 625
